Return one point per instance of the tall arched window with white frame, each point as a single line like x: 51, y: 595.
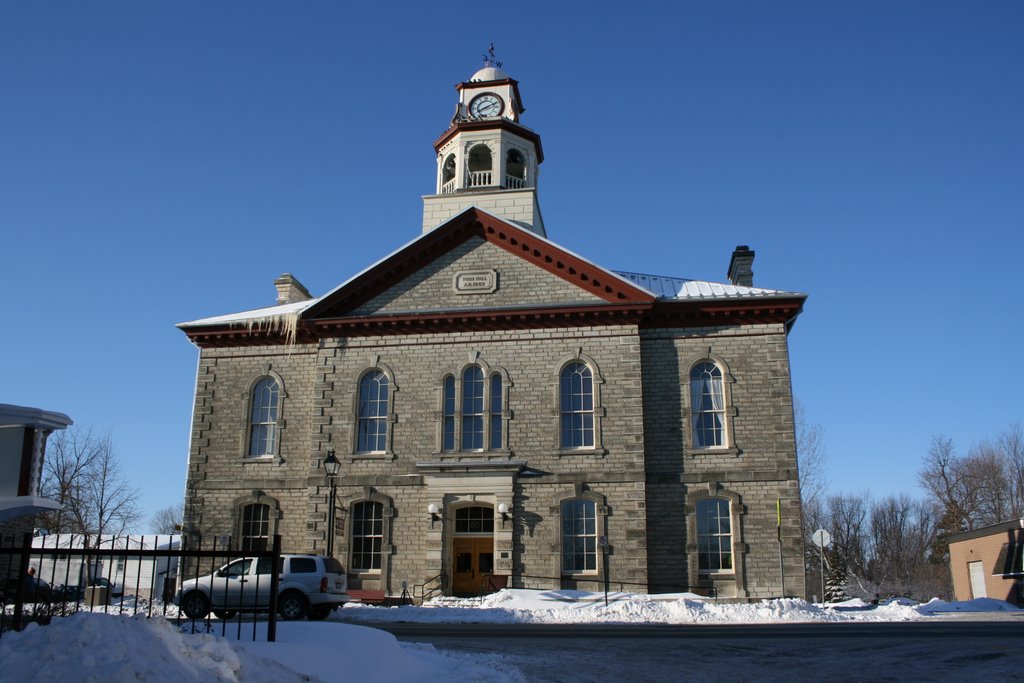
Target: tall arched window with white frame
x: 576, y: 404
x: 707, y: 400
x: 448, y: 415
x: 372, y: 427
x: 497, y: 411
x: 263, y: 417
x: 473, y: 409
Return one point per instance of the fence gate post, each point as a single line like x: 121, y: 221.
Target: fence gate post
x: 19, y: 593
x: 275, y: 582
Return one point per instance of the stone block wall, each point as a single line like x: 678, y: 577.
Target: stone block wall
x: 757, y: 467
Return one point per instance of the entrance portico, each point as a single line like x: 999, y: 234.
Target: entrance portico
x: 470, y: 540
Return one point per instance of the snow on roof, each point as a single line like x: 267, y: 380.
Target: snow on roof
x: 665, y: 287
x: 286, y: 316
x: 255, y: 314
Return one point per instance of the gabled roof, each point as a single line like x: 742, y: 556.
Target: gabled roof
x: 627, y: 297
x: 475, y: 222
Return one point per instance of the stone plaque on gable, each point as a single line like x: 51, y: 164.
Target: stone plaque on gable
x: 475, y: 282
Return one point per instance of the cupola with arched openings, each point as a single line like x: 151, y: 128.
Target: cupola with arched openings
x: 487, y: 155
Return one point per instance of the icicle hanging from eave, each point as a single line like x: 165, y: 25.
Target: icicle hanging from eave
x: 281, y: 323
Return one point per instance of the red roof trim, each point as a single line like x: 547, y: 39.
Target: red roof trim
x: 470, y: 223
x: 503, y: 124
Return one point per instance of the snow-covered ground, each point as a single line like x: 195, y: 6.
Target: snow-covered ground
x: 512, y: 606
x: 111, y: 647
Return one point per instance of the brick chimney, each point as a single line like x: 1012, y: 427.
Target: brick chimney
x: 290, y: 290
x: 741, y: 266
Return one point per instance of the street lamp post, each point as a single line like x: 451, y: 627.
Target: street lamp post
x: 331, y: 466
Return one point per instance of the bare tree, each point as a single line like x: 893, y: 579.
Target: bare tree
x: 81, y: 472
x: 902, y: 535
x: 166, y: 520
x: 812, y: 459
x: 1012, y: 445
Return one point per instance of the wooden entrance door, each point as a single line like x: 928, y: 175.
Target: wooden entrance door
x: 472, y: 560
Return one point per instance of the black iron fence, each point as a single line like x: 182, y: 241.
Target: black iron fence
x: 61, y: 575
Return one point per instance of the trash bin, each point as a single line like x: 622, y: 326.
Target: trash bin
x: 97, y: 596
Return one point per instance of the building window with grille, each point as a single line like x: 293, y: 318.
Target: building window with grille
x: 474, y: 520
x: 367, y: 536
x: 448, y: 413
x: 263, y: 418
x: 473, y: 411
x: 707, y: 400
x: 255, y: 527
x: 579, y: 536
x: 372, y: 427
x: 576, y: 405
x: 714, y: 536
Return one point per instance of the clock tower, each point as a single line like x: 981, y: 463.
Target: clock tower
x: 487, y: 158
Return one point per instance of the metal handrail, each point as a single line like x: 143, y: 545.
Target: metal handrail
x: 439, y: 588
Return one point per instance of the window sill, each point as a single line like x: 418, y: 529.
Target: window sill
x: 382, y: 455
x: 262, y: 459
x: 730, y: 450
x: 496, y: 454
x: 717, y: 575
x: 569, y: 452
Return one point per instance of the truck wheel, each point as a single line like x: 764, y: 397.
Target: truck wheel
x: 195, y: 605
x: 292, y: 605
x: 319, y: 613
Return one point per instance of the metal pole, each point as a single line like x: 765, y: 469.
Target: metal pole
x: 778, y: 529
x: 821, y: 553
x: 606, y: 577
x: 330, y: 523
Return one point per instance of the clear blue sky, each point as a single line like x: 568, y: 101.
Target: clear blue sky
x: 165, y: 161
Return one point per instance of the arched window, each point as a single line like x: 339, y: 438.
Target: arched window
x: 263, y: 417
x: 448, y: 411
x: 497, y: 409
x: 480, y: 166
x: 579, y: 536
x: 707, y: 400
x: 515, y: 169
x: 255, y: 529
x: 448, y: 169
x: 367, y: 536
x: 714, y: 536
x: 576, y: 403
x: 372, y: 428
x: 473, y: 409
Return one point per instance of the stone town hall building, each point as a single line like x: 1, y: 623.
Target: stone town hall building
x: 502, y: 406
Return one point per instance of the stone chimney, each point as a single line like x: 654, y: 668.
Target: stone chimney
x: 290, y: 290
x: 741, y: 266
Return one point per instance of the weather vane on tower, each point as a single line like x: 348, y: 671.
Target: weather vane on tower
x: 490, y: 59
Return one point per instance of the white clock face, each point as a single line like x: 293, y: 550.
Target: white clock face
x: 485, y: 105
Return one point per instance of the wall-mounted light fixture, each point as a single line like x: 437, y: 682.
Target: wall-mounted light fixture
x: 503, y: 511
x: 434, y: 512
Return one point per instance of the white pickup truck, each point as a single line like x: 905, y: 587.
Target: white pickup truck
x: 309, y: 585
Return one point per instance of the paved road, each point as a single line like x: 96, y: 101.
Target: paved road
x: 897, y: 652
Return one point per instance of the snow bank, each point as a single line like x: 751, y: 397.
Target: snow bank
x: 936, y: 606
x: 511, y: 606
x: 122, y: 649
